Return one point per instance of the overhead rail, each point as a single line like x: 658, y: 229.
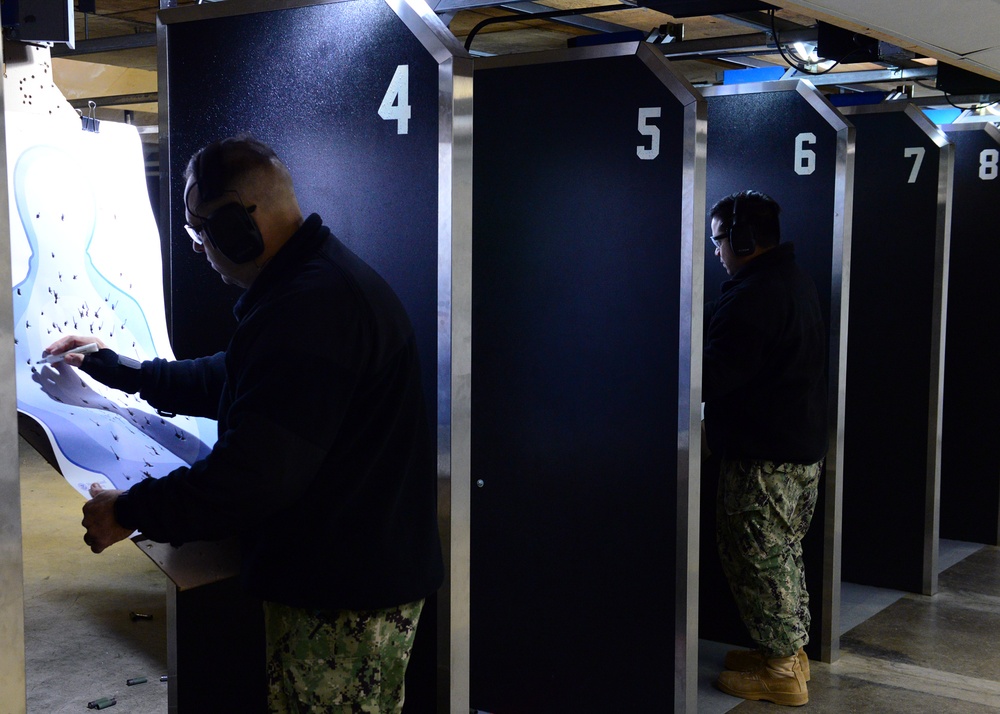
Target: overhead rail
x: 139, y: 40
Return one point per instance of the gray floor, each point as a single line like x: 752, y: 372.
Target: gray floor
x: 900, y: 652
x: 80, y: 642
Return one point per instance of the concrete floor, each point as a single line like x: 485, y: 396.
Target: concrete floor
x: 903, y: 653
x: 80, y: 641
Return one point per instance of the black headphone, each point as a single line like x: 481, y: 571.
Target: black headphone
x: 230, y: 227
x: 742, y: 236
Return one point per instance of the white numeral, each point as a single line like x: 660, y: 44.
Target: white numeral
x: 805, y: 159
x: 917, y: 153
x: 989, y: 164
x: 396, y: 102
x: 650, y: 130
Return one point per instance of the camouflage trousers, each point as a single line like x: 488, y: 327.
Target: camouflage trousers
x: 338, y: 661
x: 763, y: 512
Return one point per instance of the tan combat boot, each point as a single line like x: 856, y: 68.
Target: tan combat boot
x: 747, y: 660
x: 779, y: 680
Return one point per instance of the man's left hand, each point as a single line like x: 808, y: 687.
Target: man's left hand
x: 99, y: 519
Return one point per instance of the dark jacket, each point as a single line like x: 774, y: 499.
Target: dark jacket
x: 324, y: 464
x: 764, y: 368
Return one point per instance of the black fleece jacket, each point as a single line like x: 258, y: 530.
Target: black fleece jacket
x: 324, y: 466
x: 764, y: 367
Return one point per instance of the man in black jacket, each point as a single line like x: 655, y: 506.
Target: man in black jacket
x: 765, y: 416
x: 324, y: 466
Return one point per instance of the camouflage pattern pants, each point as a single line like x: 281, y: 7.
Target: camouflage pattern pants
x: 338, y: 661
x: 763, y: 512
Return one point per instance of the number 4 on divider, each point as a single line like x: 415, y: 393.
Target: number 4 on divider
x: 396, y: 102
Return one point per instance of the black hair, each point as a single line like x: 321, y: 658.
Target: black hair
x: 221, y: 164
x: 755, y: 210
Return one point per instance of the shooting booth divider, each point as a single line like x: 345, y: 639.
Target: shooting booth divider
x: 970, y: 476
x: 588, y: 208
x: 368, y: 102
x: 11, y: 548
x: 895, y: 355
x: 785, y: 139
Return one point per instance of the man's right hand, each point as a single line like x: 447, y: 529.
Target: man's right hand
x: 68, y: 343
x: 105, y: 365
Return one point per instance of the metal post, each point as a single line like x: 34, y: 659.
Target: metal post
x: 13, y: 696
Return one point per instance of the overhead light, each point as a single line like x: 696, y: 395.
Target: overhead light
x: 807, y: 53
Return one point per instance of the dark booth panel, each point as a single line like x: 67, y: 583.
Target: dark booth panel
x: 903, y: 173
x: 970, y: 476
x: 785, y: 139
x: 584, y: 186
x: 355, y: 97
x: 310, y: 82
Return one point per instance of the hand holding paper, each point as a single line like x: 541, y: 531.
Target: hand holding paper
x: 99, y: 519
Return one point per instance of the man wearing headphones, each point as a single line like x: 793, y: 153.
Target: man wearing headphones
x: 324, y: 466
x: 764, y: 377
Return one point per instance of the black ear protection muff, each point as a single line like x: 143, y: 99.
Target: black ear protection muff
x: 742, y: 238
x: 233, y: 231
x: 230, y: 227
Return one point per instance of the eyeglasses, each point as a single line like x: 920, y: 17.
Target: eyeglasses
x: 195, y: 233
x: 717, y: 240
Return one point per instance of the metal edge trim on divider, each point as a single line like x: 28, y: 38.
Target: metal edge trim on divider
x: 935, y: 425
x: 723, y: 90
x: 163, y: 142
x: 12, y: 671
x: 676, y: 83
x: 163, y: 121
x: 689, y: 407
x: 840, y: 291
x: 571, y: 54
x: 692, y: 298
x: 455, y: 97
x: 991, y: 129
x: 428, y: 28
x: 455, y: 367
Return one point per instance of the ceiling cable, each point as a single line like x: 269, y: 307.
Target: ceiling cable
x: 802, y: 68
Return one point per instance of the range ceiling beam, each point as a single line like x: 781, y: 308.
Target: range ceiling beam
x: 867, y: 76
x: 445, y: 6
x: 138, y: 40
x: 761, y: 21
x: 588, y: 23
x: 755, y: 43
x: 115, y: 100
x: 952, y: 99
